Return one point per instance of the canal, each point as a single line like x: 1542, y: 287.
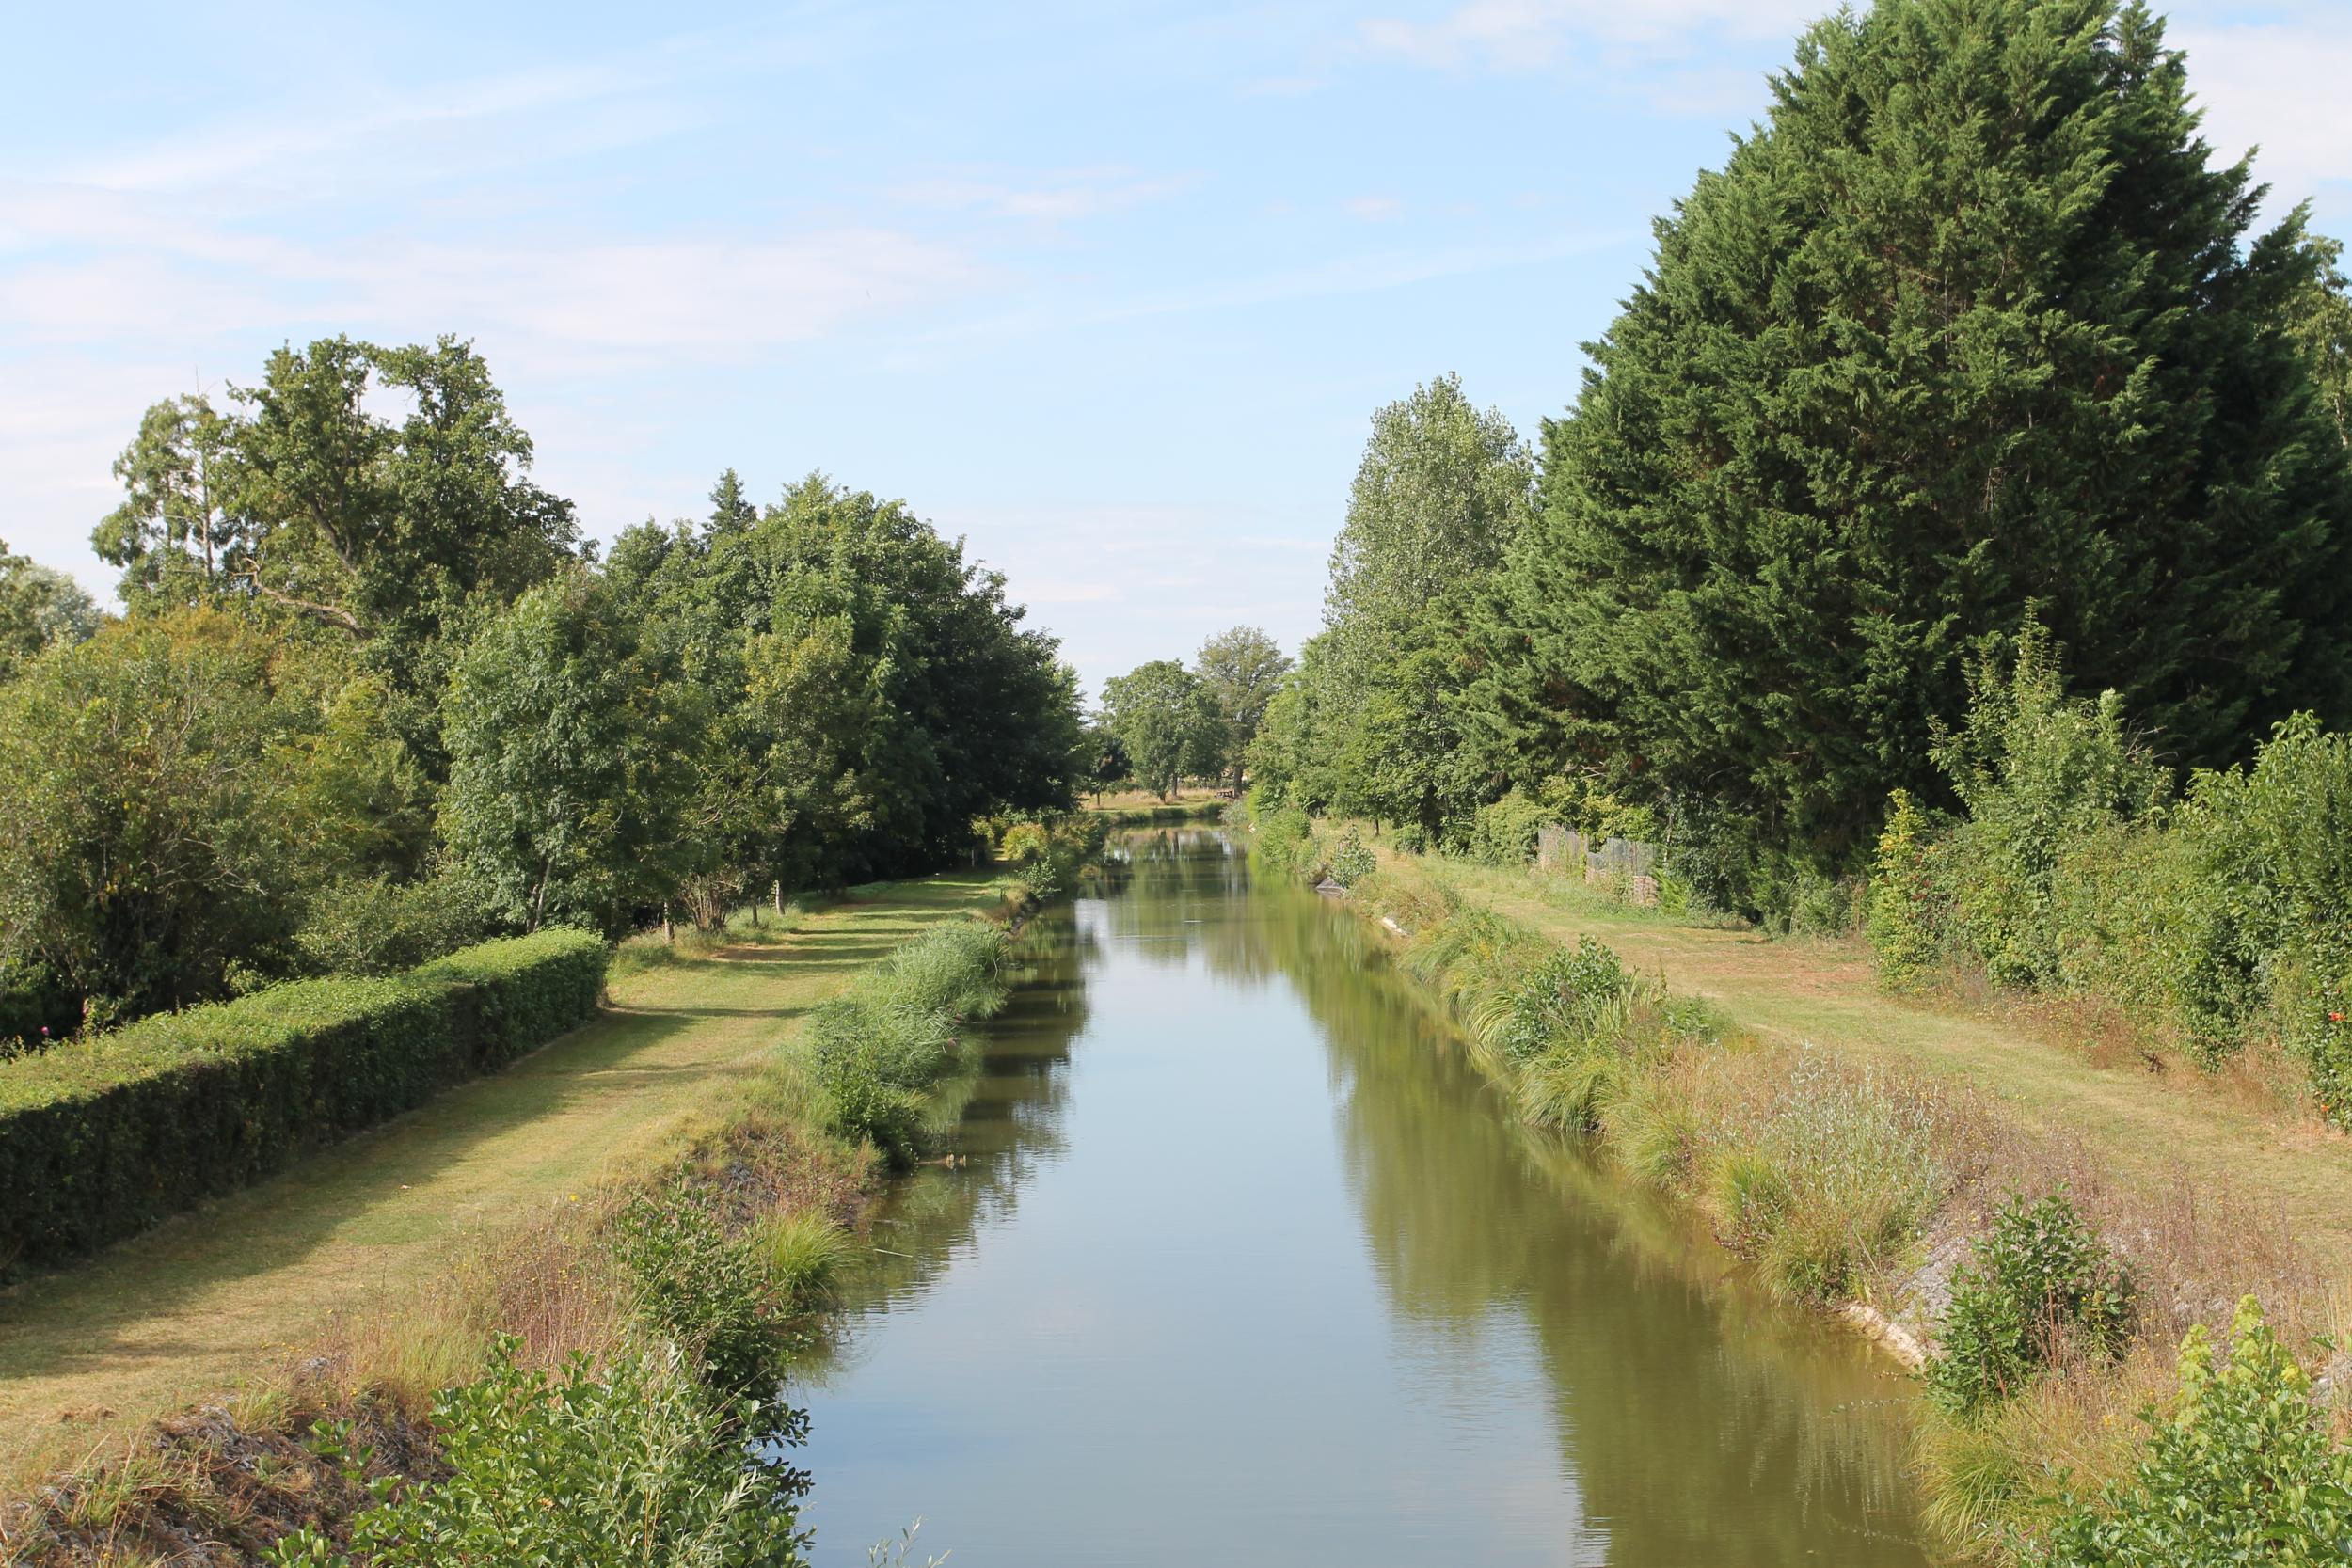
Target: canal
x: 1247, y: 1264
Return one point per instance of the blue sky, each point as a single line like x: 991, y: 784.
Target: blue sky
x: 1109, y: 290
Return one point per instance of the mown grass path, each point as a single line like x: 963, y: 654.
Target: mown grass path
x: 230, y: 1294
x: 2151, y: 1130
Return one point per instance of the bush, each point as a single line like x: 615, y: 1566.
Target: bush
x: 526, y: 991
x: 1503, y: 834
x: 1559, y: 1002
x: 2038, y: 1278
x: 1351, y: 862
x: 37, y: 1009
x: 709, y: 1292
x: 101, y: 1138
x: 1907, y: 908
x: 374, y: 926
x: 633, y: 1463
x: 2242, y: 1471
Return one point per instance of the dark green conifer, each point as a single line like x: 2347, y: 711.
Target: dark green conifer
x: 1972, y: 323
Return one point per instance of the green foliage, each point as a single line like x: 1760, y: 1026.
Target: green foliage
x: 1832, y: 1181
x: 523, y: 991
x: 1351, y: 862
x: 2220, y: 913
x: 1907, y: 905
x: 104, y: 1135
x: 1974, y: 318
x: 2036, y: 770
x: 1240, y: 671
x: 634, y: 1465
x: 703, y: 1289
x: 874, y: 1050
x: 1167, y: 723
x: 2242, y: 1471
x: 568, y: 742
x: 377, y: 926
x: 2034, y: 1282
x: 1382, y: 717
x: 41, y: 608
x: 1503, y: 831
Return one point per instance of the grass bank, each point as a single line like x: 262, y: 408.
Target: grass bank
x: 1877, y: 1158
x: 354, y: 1285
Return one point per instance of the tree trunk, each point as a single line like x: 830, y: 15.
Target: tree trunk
x: 668, y: 934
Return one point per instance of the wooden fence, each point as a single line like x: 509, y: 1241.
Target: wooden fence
x: 1621, y: 862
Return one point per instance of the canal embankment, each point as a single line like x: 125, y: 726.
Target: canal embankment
x: 676, y: 1170
x: 1859, y: 1150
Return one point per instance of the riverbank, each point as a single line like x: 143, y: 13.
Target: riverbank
x: 330, y: 1288
x: 1855, y: 1147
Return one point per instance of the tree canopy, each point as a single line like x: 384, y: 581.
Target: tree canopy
x: 1972, y: 322
x: 372, y: 698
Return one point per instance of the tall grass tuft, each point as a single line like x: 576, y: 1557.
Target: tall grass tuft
x: 875, y: 1051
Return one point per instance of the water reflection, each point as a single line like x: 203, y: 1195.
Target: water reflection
x: 1248, y: 1267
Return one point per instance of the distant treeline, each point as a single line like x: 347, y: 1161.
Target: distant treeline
x: 373, y: 698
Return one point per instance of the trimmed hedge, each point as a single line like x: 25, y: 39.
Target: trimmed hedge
x: 101, y: 1138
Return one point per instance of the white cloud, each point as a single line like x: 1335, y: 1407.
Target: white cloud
x: 1376, y: 209
x: 1053, y: 195
x: 2282, y: 88
x: 1540, y: 35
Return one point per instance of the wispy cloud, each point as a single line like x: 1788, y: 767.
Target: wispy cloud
x: 1542, y: 35
x: 1051, y: 195
x: 1374, y: 209
x: 2280, y: 86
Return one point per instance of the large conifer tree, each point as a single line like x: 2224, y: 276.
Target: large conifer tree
x: 1972, y: 323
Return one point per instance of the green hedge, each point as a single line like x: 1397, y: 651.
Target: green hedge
x: 101, y: 1138
x: 527, y: 989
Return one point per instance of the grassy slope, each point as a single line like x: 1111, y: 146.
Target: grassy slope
x: 2149, y: 1128
x: 230, y: 1292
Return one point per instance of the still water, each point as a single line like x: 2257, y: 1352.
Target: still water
x: 1249, y: 1266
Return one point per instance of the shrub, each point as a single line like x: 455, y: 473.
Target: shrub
x: 1351, y: 862
x: 374, y: 926
x: 102, y: 1137
x: 709, y: 1292
x: 2242, y: 1471
x: 2037, y: 1278
x: 1560, y: 1001
x: 1503, y: 834
x: 1906, y: 906
x: 2038, y: 771
x: 634, y: 1464
x: 526, y: 991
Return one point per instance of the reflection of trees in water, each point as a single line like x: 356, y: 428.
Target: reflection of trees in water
x: 1682, y: 1400
x: 1006, y: 1107
x: 1698, y: 1424
x: 1181, y: 887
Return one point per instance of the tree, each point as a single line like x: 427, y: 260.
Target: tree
x: 568, y: 743
x: 1972, y: 320
x: 2320, y: 321
x: 144, y: 835
x: 1102, y: 760
x: 181, y: 526
x: 1166, y: 719
x: 40, y: 607
x: 1441, y: 491
x: 1380, y: 722
x: 1240, y: 669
